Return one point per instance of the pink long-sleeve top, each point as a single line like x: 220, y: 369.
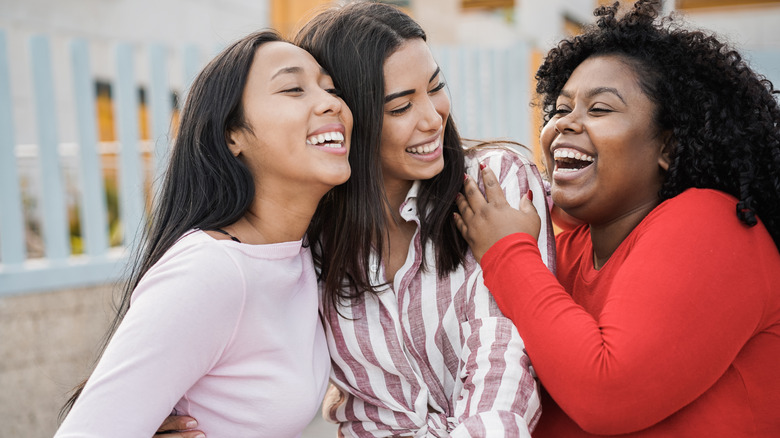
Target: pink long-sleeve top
x: 226, y: 332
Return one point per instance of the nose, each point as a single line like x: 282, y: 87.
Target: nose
x: 568, y: 123
x: 430, y: 117
x: 329, y: 103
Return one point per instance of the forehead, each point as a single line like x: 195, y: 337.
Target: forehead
x: 273, y: 56
x: 413, y: 60
x: 603, y: 71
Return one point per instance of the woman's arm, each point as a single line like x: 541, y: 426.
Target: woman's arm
x: 670, y: 326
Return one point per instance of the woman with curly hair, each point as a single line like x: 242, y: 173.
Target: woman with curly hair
x: 664, y: 319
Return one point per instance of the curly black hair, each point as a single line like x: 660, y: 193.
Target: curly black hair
x: 724, y: 116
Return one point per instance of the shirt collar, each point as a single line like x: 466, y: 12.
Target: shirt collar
x: 408, y: 209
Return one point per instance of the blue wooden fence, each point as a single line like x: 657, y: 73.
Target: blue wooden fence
x: 99, y: 263
x: 490, y: 90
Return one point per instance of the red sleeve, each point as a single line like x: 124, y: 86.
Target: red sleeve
x: 679, y: 309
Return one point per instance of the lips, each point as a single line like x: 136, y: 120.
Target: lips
x: 328, y: 136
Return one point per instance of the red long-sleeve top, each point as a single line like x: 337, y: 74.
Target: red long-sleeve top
x: 678, y: 334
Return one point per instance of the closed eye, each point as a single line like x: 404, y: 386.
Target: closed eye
x: 437, y: 87
x: 600, y: 110
x: 403, y: 109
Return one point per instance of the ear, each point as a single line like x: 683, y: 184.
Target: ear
x: 235, y: 142
x: 667, y: 146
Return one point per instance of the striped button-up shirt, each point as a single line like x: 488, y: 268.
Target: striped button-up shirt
x: 434, y: 357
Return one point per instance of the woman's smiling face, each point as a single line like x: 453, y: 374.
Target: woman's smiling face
x: 416, y: 109
x: 603, y: 148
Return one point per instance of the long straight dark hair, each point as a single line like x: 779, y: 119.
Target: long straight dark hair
x: 204, y: 185
x: 352, y: 42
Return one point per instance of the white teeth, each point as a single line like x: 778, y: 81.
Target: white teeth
x: 572, y: 154
x: 328, y: 139
x: 424, y: 149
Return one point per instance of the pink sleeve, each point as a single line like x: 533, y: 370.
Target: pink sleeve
x: 671, y: 326
x: 183, y: 315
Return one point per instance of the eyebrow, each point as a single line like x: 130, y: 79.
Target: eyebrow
x: 296, y: 70
x: 392, y: 96
x: 287, y: 70
x: 596, y: 91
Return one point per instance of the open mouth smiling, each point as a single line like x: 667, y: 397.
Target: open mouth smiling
x: 571, y: 160
x: 426, y: 148
x: 333, y: 139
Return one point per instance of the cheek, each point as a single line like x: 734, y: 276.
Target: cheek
x: 545, y: 141
x: 346, y: 116
x: 389, y: 135
x: 442, y: 104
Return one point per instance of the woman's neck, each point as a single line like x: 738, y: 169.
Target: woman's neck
x: 396, y: 192
x: 606, y: 238
x: 275, y: 220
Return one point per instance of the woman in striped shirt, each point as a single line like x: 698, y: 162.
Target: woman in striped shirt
x: 419, y: 347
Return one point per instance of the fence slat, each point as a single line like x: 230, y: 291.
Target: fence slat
x: 519, y: 86
x: 94, y: 223
x: 12, y: 248
x: 192, y: 65
x: 54, y: 211
x: 160, y: 106
x: 130, y: 171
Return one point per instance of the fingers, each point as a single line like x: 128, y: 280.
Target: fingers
x: 460, y: 224
x: 527, y: 202
x: 177, y: 427
x: 187, y: 434
x: 493, y: 191
x: 178, y: 422
x: 473, y: 196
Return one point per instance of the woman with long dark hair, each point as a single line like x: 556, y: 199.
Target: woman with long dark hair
x: 419, y: 347
x: 664, y: 319
x: 219, y: 320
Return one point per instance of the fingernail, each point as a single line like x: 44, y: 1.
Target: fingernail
x: 200, y: 435
x: 458, y: 195
x: 482, y: 166
x: 530, y: 195
x: 465, y: 176
x: 192, y: 424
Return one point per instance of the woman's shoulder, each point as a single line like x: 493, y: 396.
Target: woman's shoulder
x: 704, y: 214
x: 199, y: 257
x: 695, y: 203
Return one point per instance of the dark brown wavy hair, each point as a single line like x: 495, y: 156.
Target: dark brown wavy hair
x: 723, y: 115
